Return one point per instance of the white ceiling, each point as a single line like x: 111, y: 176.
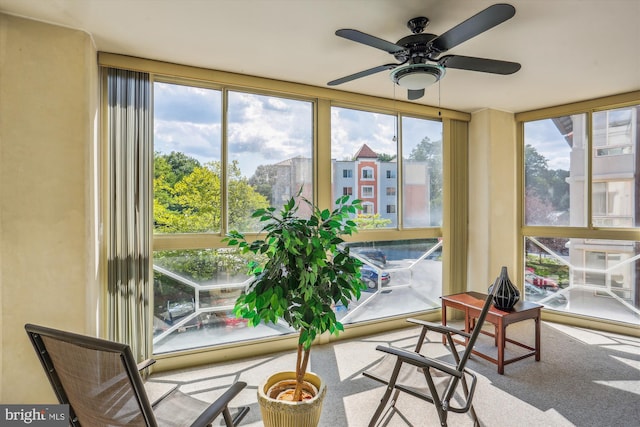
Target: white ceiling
x: 570, y: 50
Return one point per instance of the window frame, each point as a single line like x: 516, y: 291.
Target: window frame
x: 589, y: 231
x: 367, y: 174
x: 455, y: 136
x: 367, y: 189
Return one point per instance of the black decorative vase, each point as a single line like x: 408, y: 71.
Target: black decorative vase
x: 507, y: 295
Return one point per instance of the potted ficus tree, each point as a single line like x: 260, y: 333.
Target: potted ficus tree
x: 300, y: 273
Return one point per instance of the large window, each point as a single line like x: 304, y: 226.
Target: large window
x: 222, y: 153
x: 369, y: 142
x: 365, y: 142
x: 582, y: 183
x: 403, y: 276
x: 422, y: 172
x: 270, y: 141
x: 268, y: 148
x: 187, y: 169
x: 555, y: 162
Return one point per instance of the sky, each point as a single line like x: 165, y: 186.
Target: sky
x: 267, y: 129
x: 545, y: 137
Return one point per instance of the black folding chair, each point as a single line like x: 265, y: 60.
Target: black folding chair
x: 101, y: 383
x: 442, y: 379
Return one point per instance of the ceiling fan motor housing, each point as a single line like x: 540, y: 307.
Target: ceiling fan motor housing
x: 416, y: 47
x: 417, y: 76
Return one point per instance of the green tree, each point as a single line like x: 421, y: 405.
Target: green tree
x: 544, y: 184
x: 431, y: 152
x: 264, y: 179
x: 368, y: 221
x: 383, y: 157
x: 174, y: 166
x: 187, y: 196
x: 243, y: 200
x: 537, y: 209
x: 536, y: 171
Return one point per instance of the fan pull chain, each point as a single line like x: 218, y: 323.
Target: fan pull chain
x: 395, y: 131
x: 439, y: 86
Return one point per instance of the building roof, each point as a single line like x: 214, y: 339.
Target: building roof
x: 365, y: 153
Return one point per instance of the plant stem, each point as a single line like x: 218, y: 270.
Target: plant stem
x: 301, y: 369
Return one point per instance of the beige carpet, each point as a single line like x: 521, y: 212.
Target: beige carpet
x: 585, y: 378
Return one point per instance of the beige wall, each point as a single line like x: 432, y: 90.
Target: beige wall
x: 48, y: 99
x: 493, y: 230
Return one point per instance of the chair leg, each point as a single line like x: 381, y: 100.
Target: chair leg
x: 233, y: 421
x: 440, y: 405
x: 381, y: 406
x: 472, y: 412
x: 228, y: 421
x: 474, y: 417
x: 387, y: 394
x: 242, y: 411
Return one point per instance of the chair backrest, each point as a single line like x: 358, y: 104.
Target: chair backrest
x: 477, y: 329
x: 97, y: 378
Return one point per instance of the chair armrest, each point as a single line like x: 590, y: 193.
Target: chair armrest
x: 145, y: 364
x: 220, y: 405
x: 436, y: 327
x: 419, y: 360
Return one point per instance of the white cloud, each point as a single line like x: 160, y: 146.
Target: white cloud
x: 350, y: 129
x: 545, y: 137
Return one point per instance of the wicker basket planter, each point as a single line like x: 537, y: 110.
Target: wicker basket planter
x: 278, y: 413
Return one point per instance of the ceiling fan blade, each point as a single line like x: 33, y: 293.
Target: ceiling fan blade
x: 362, y: 74
x: 479, y: 64
x: 413, y: 94
x: 369, y: 40
x: 479, y: 23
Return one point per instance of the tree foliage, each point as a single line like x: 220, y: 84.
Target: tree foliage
x: 431, y: 152
x: 384, y: 157
x: 264, y: 179
x: 547, y: 190
x: 187, y: 195
x: 368, y: 221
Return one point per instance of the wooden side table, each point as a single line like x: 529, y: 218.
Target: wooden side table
x: 471, y: 303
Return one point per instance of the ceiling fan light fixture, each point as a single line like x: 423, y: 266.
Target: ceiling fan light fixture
x: 417, y: 76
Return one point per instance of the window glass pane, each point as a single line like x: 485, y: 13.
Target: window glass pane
x: 187, y: 138
x: 367, y: 192
x: 422, y: 172
x: 194, y: 294
x: 613, y: 131
x: 599, y: 199
x: 365, y: 142
x: 195, y: 290
x: 590, y: 277
x: 270, y: 141
x: 614, y: 168
x: 402, y: 277
x: 611, y: 204
x: 555, y: 165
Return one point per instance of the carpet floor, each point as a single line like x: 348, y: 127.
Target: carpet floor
x: 584, y: 378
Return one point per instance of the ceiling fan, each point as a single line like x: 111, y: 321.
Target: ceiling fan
x: 419, y: 53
